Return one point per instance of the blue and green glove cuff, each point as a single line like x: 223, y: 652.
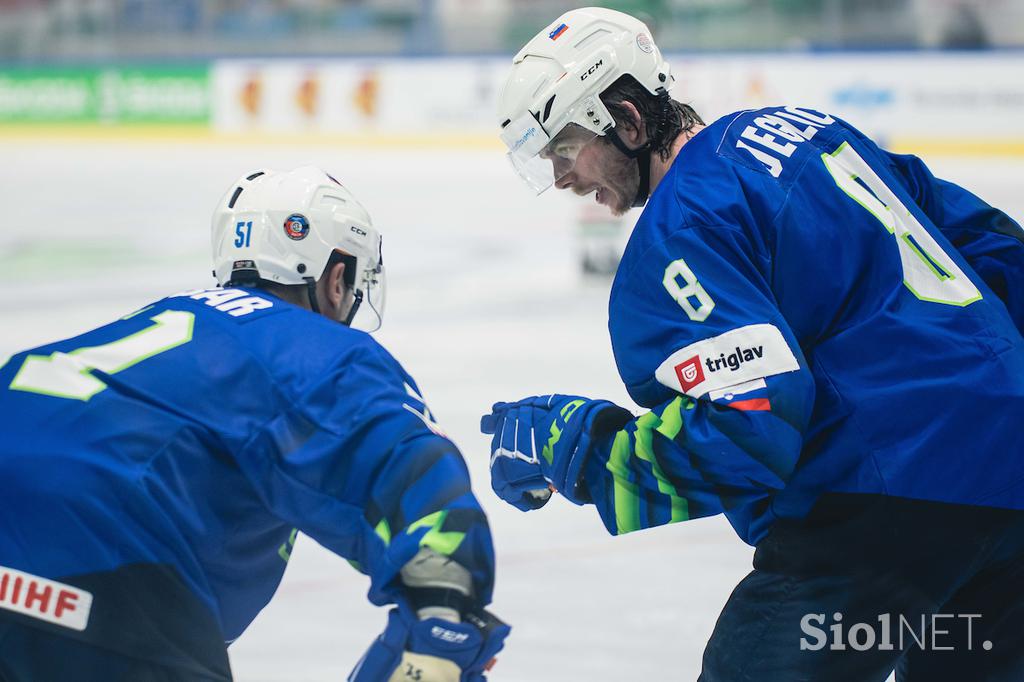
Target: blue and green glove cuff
x: 544, y: 440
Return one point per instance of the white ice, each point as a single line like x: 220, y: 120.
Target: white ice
x: 485, y: 304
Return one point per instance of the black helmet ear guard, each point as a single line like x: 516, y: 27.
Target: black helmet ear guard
x: 349, y: 279
x: 643, y: 161
x: 666, y: 128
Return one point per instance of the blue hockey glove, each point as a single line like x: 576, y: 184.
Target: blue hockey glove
x: 432, y: 650
x: 542, y: 442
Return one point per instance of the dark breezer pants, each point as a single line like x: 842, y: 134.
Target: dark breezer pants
x: 144, y: 626
x: 28, y: 654
x: 869, y: 584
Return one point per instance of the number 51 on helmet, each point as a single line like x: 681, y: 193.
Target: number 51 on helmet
x: 286, y: 227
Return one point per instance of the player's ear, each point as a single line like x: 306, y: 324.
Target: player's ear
x: 630, y: 128
x: 335, y: 289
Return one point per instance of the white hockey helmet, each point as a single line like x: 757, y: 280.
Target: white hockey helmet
x: 550, y: 107
x: 285, y: 227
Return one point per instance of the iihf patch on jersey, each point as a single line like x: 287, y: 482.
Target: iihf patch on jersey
x: 740, y: 355
x: 44, y: 599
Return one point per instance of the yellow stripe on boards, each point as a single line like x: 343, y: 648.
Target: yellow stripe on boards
x: 33, y: 133
x: 932, y: 146
x: 203, y: 134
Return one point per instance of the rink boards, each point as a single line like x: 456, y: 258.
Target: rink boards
x: 964, y: 103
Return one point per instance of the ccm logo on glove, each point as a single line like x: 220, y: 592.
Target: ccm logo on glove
x: 449, y: 636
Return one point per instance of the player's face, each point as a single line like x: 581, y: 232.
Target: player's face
x: 608, y: 173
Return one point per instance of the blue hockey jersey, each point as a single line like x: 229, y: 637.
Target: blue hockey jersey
x: 198, y: 433
x: 804, y: 313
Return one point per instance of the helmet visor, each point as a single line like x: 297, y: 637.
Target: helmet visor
x: 539, y: 160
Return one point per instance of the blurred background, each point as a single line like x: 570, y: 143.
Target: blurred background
x: 122, y: 122
x: 71, y: 30
x: 427, y: 72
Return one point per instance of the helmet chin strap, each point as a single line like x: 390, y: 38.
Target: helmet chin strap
x: 356, y: 302
x: 314, y: 305
x: 643, y: 162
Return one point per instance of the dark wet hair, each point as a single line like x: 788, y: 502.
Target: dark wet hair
x: 664, y: 119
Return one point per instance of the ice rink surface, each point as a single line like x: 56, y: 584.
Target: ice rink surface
x: 485, y: 303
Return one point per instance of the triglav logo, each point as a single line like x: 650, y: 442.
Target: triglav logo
x: 690, y: 373
x: 733, y: 361
x: 691, y: 370
x: 756, y: 351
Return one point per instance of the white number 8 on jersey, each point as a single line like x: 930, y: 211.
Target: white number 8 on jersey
x: 676, y: 270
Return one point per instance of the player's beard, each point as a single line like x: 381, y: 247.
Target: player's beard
x: 623, y: 179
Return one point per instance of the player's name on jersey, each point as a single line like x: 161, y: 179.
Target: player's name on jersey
x: 793, y: 125
x: 44, y: 599
x: 234, y: 302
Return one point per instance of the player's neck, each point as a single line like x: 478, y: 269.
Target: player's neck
x: 660, y: 166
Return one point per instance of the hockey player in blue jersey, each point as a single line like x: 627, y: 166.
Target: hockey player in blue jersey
x: 825, y: 340
x: 154, y: 472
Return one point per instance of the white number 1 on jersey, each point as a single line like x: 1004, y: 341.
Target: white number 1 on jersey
x: 928, y: 271
x: 68, y: 375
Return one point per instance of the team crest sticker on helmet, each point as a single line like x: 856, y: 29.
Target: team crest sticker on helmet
x: 643, y: 41
x: 558, y: 31
x: 296, y: 226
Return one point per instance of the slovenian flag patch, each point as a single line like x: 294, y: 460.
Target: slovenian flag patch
x: 559, y: 30
x: 751, y: 396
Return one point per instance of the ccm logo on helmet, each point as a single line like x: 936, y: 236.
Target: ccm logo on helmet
x: 361, y: 233
x: 591, y: 70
